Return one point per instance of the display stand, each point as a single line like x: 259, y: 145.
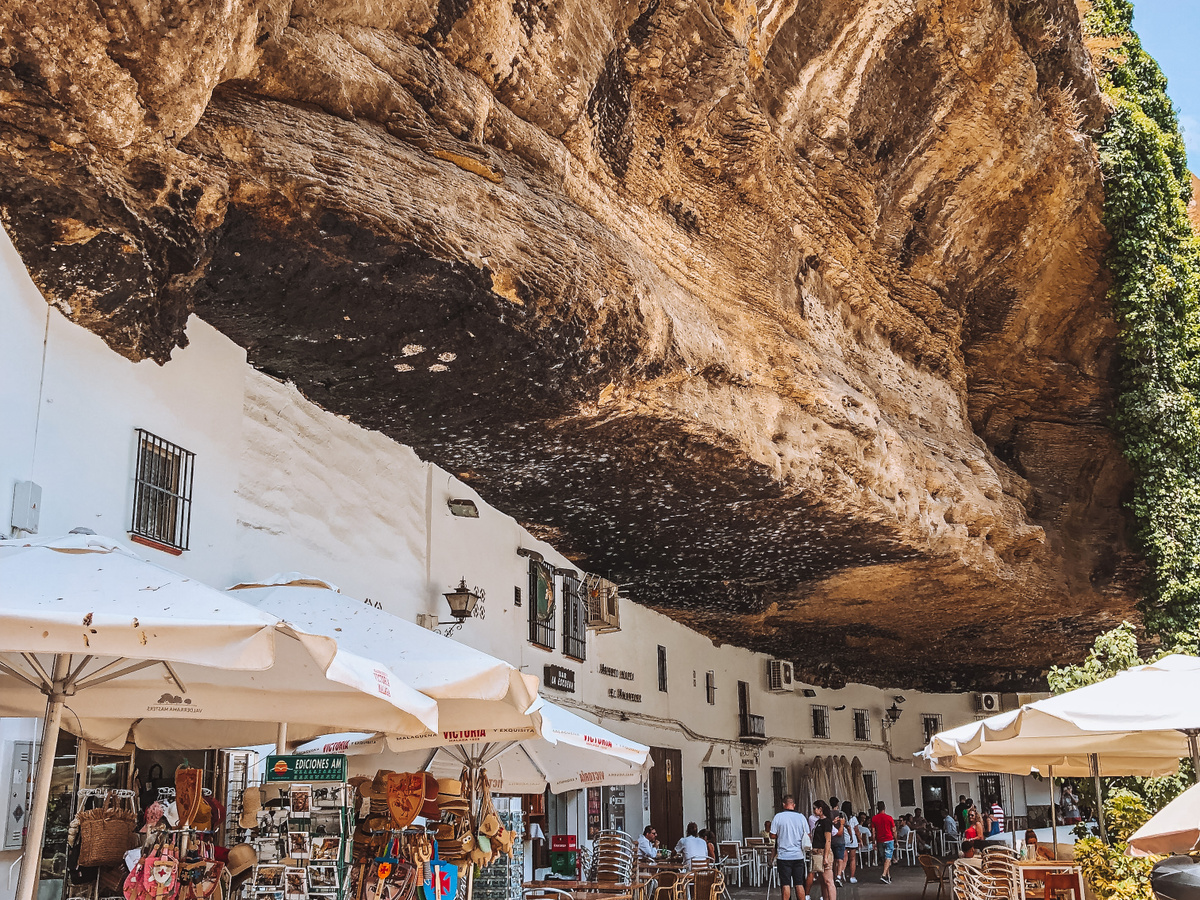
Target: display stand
x: 310, y: 835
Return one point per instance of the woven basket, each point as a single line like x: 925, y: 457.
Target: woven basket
x: 105, y: 834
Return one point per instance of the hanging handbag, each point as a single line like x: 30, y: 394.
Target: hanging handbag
x: 189, y: 794
x: 156, y: 874
x: 106, y: 833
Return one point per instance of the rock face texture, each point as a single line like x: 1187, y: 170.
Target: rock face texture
x: 789, y: 315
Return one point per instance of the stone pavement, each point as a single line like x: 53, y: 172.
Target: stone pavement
x: 907, y: 882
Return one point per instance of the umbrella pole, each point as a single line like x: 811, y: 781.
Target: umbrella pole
x: 1011, y: 821
x: 1195, y: 751
x: 36, y: 829
x: 1094, y: 764
x: 1053, y: 812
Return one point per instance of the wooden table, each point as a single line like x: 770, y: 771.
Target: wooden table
x: 1068, y: 867
x: 590, y: 890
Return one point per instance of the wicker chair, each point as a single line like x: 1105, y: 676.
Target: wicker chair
x: 935, y: 873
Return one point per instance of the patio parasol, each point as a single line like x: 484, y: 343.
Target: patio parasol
x: 565, y: 752
x: 1173, y: 829
x: 135, y: 651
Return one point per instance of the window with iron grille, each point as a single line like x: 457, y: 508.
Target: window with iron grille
x: 574, y: 618
x: 710, y: 687
x: 820, y: 721
x: 716, y: 801
x: 162, y: 492
x: 862, y: 725
x: 930, y: 725
x: 541, y: 604
x: 662, y: 668
x: 871, y: 783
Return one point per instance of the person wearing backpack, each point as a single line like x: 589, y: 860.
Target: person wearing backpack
x: 838, y: 820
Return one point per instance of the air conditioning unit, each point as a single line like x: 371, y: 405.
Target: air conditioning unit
x: 603, y: 604
x: 780, y: 677
x: 988, y: 703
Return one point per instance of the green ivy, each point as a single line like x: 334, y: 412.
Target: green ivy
x: 1155, y: 261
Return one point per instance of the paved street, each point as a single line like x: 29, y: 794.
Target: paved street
x: 907, y: 882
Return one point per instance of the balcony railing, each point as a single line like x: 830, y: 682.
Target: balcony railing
x: 752, y: 729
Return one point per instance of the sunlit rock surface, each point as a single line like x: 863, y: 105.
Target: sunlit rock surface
x: 789, y: 316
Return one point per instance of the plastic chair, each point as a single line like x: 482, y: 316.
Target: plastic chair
x: 907, y: 849
x: 732, y: 860
x: 772, y: 880
x: 935, y: 873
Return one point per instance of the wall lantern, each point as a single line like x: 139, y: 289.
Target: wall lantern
x: 464, y: 508
x: 891, y: 715
x: 465, y: 603
x: 462, y: 601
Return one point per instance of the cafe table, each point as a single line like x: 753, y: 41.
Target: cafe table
x: 1033, y: 868
x: 590, y: 890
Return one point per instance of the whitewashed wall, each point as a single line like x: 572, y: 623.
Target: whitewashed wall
x: 281, y: 485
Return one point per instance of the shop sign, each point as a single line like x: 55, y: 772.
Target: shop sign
x: 314, y: 767
x: 614, y: 672
x: 618, y: 694
x: 560, y: 678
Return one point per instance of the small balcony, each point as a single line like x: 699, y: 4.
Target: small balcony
x: 752, y: 729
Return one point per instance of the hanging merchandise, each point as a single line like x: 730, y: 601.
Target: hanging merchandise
x: 405, y: 796
x: 441, y: 881
x: 106, y: 833
x: 156, y: 875
x: 200, y: 875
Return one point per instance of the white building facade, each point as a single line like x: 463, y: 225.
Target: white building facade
x: 278, y: 484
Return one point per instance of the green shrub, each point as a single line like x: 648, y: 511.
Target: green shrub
x: 1111, y: 874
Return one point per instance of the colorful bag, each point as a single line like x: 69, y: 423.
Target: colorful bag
x: 200, y: 878
x: 155, y: 876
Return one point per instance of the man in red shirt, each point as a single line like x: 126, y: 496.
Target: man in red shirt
x: 883, y: 827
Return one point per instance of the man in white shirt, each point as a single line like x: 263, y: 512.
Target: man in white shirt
x: 648, y: 844
x: 789, y: 829
x: 691, y: 846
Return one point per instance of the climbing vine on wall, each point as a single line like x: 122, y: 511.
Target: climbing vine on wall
x: 1155, y: 261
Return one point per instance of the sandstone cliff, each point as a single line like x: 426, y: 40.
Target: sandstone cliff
x: 789, y: 315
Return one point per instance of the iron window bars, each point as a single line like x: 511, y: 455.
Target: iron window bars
x: 541, y: 604
x: 574, y: 618
x: 162, y: 494
x: 862, y: 725
x: 820, y: 721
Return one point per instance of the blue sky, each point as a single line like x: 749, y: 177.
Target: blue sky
x: 1170, y: 32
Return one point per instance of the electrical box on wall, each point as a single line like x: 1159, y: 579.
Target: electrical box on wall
x: 27, y: 506
x: 16, y: 793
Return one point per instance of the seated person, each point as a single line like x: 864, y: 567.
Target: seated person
x: 691, y: 847
x: 1033, y: 849
x: 648, y: 844
x: 951, y: 828
x: 765, y: 834
x: 903, y: 829
x: 970, y: 853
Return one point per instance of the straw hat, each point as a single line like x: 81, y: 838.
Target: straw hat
x: 251, y: 804
x: 240, y: 859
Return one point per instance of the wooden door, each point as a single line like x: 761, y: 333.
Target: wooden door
x: 666, y: 795
x: 749, y: 789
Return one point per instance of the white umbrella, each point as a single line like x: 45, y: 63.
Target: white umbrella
x: 124, y: 645
x: 1173, y: 829
x: 474, y: 691
x: 566, y: 752
x: 1130, y: 724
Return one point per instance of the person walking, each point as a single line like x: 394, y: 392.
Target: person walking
x: 789, y: 829
x: 850, y: 865
x: 839, y: 839
x: 822, y: 842
x: 883, y: 829
x: 997, y: 816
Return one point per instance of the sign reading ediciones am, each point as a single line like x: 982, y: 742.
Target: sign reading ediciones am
x: 317, y: 767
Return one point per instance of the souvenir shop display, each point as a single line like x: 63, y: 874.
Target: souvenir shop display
x: 179, y: 857
x: 299, y: 825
